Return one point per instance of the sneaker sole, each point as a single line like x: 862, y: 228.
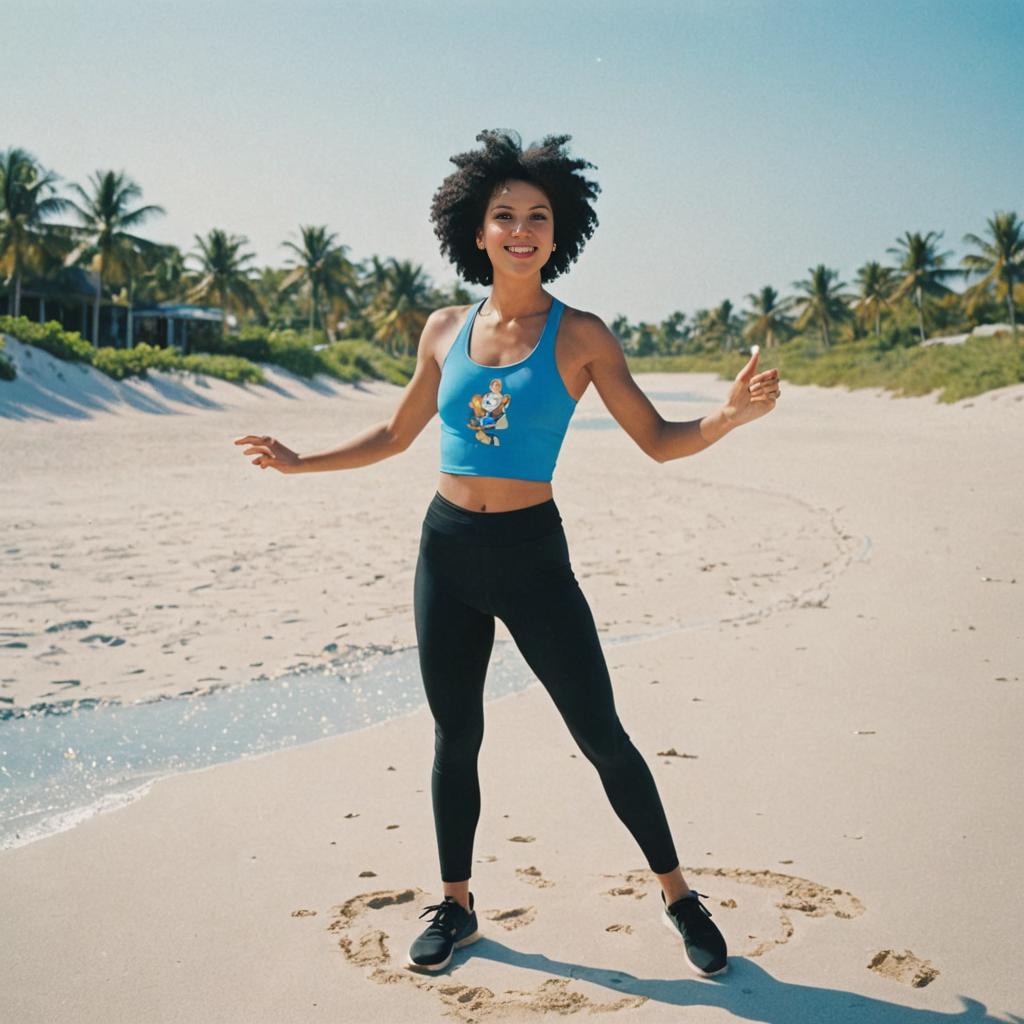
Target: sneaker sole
x: 440, y: 966
x: 671, y: 926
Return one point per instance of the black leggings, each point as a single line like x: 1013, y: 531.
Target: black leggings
x: 472, y: 567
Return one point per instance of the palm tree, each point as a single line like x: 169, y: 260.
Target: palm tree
x: 106, y: 241
x: 822, y: 300
x: 767, y: 319
x: 674, y: 331
x: 1001, y: 261
x: 704, y: 327
x: 165, y: 277
x: 323, y: 266
x: 723, y: 324
x: 923, y: 270
x: 876, y: 283
x: 402, y: 304
x: 623, y: 330
x: 456, y: 294
x: 27, y: 197
x: 274, y: 308
x: 223, y: 273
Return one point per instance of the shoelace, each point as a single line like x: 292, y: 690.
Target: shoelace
x: 703, y: 895
x: 444, y: 910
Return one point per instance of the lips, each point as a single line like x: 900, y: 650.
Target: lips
x: 522, y: 255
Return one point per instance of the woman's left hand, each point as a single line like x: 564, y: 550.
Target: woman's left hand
x: 752, y: 394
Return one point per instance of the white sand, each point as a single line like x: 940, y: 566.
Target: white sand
x: 857, y: 751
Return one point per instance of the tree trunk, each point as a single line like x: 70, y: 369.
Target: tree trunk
x: 824, y: 331
x: 96, y: 315
x: 312, y: 306
x: 920, y: 312
x: 878, y: 321
x: 131, y: 291
x: 1009, y: 302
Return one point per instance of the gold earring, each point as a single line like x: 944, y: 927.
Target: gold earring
x: 553, y: 246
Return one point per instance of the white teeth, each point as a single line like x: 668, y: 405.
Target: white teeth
x: 520, y: 248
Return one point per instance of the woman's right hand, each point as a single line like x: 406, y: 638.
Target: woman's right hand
x: 270, y: 452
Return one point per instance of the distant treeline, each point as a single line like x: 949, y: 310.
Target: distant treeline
x: 321, y: 297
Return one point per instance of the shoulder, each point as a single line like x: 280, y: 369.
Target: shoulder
x: 441, y: 325
x: 446, y: 316
x: 588, y: 334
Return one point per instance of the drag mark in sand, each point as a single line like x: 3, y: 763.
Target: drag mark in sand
x: 756, y: 911
x: 763, y: 921
x: 369, y: 950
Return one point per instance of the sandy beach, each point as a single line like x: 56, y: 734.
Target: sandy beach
x: 815, y: 635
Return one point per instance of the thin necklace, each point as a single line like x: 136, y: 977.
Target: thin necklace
x: 523, y: 316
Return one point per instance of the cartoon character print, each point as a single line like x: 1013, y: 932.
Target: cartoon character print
x: 489, y: 413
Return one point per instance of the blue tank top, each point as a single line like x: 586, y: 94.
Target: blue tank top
x: 506, y: 421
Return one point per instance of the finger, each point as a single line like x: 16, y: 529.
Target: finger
x: 252, y: 439
x: 258, y: 450
x: 748, y: 370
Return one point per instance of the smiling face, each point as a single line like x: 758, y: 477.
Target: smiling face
x: 518, y: 230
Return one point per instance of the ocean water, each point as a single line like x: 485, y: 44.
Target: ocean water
x: 61, y: 763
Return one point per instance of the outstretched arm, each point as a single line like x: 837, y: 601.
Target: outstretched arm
x: 389, y: 437
x: 752, y: 395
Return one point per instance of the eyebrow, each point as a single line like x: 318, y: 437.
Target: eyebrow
x: 505, y: 206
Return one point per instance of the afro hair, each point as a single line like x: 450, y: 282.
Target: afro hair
x: 460, y: 203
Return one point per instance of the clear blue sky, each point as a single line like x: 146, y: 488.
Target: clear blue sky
x: 736, y: 143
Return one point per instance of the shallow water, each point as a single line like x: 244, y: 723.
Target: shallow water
x: 61, y: 763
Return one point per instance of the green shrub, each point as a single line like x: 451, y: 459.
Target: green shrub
x: 122, y: 362
x: 358, y: 360
x: 51, y: 337
x: 231, y: 368
x: 134, y: 362
x: 308, y: 353
x: 956, y: 371
x: 7, y: 370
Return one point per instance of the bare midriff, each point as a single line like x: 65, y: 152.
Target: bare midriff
x: 492, y: 493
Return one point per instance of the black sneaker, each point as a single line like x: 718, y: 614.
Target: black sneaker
x: 703, y: 943
x: 453, y: 926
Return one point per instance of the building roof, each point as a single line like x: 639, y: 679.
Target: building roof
x: 181, y: 311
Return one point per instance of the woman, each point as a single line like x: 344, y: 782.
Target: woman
x: 505, y: 374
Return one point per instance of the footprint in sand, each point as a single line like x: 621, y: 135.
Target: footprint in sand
x: 364, y: 924
x: 904, y: 967
x: 532, y: 876
x: 517, y: 917
x: 626, y: 890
